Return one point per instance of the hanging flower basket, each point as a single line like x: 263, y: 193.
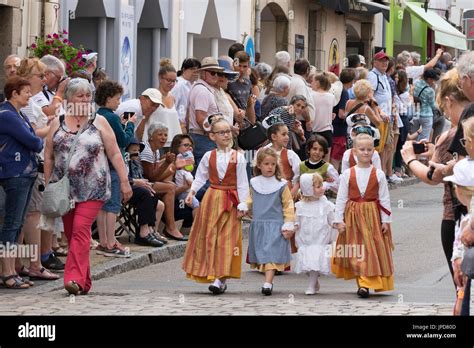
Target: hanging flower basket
x: 59, y: 46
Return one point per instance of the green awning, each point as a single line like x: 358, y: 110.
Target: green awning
x: 445, y: 33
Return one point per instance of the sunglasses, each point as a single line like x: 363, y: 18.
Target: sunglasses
x: 213, y: 73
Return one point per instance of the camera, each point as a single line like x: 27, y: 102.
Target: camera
x: 128, y: 114
x: 418, y: 148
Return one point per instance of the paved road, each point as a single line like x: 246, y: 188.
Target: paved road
x: 422, y: 282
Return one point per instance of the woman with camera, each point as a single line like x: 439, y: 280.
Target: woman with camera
x: 452, y: 101
x: 18, y: 170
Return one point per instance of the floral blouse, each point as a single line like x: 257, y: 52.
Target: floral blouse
x: 88, y: 170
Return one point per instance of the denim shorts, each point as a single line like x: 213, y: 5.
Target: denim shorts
x: 17, y: 196
x: 114, y: 204
x: 182, y: 196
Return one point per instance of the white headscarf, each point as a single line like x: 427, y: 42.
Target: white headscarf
x: 306, y: 185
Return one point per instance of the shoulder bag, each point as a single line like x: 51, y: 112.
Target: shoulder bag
x: 56, y: 196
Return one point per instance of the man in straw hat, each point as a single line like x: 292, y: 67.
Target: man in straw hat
x: 202, y: 103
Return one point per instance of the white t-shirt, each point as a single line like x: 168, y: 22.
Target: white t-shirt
x: 324, y: 102
x: 415, y: 71
x: 182, y: 176
x: 44, y: 98
x: 180, y: 92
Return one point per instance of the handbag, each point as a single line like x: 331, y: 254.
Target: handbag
x: 467, y: 265
x: 56, y: 195
x: 252, y: 137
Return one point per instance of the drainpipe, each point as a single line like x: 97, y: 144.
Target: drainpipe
x: 43, y: 16
x: 257, y: 25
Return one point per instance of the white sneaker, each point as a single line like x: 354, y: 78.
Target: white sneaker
x: 313, y: 290
x: 396, y: 179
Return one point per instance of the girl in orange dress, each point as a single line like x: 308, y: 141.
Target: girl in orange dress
x: 364, y: 245
x: 214, y: 250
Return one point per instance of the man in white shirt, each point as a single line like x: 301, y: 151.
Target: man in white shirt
x: 50, y: 99
x: 299, y: 86
x: 187, y: 76
x: 379, y: 81
x: 142, y: 107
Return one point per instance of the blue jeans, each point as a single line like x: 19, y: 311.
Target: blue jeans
x: 467, y: 299
x: 426, y: 127
x: 114, y: 204
x: 202, y: 144
x: 17, y: 196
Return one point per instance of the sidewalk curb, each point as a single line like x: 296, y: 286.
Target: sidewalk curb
x: 153, y: 256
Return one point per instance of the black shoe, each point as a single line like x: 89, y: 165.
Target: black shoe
x: 267, y: 291
x: 170, y: 236
x: 217, y: 290
x: 363, y: 292
x: 53, y: 263
x: 149, y: 240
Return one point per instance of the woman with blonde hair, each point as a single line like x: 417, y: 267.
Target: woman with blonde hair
x: 166, y: 113
x: 451, y: 101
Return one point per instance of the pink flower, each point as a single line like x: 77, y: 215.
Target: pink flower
x: 56, y: 36
x: 65, y: 41
x: 81, y: 63
x: 49, y: 36
x: 33, y: 46
x: 65, y: 32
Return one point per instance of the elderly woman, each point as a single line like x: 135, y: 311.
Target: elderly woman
x: 33, y: 70
x: 452, y: 101
x: 277, y: 96
x: 88, y: 173
x: 160, y: 172
x: 18, y: 170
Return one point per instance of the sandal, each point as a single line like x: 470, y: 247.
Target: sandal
x: 73, y: 288
x: 24, y: 280
x: 60, y: 251
x: 25, y: 272
x: 43, y: 274
x: 18, y: 283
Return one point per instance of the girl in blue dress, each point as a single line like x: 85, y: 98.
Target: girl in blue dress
x: 273, y: 216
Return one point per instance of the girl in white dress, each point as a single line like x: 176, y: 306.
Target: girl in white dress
x: 314, y: 234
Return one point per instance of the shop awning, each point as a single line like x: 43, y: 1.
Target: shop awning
x: 369, y: 8
x: 445, y: 33
x: 340, y: 6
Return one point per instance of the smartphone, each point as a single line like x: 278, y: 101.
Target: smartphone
x: 418, y: 148
x: 128, y: 114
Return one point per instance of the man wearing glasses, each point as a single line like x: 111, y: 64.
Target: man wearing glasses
x: 51, y: 97
x: 10, y: 67
x: 202, y: 103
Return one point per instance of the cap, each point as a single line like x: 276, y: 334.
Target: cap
x: 154, y: 95
x: 231, y: 74
x: 381, y: 55
x: 210, y: 63
x: 306, y: 185
x: 271, y: 120
x: 134, y: 141
x: 463, y: 173
x: 362, y: 59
